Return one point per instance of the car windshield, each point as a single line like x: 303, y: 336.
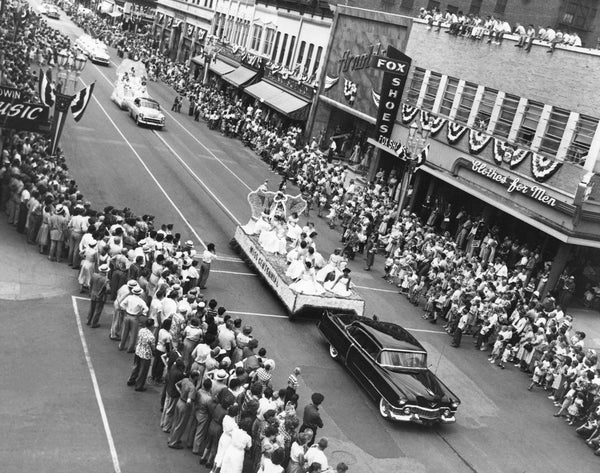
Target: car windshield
x: 403, y: 359
x: 148, y: 104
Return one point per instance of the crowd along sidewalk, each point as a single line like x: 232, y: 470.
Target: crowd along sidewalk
x: 25, y: 273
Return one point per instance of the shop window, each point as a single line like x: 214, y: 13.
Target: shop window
x: 301, y: 52
x: 475, y: 7
x: 317, y: 60
x: 283, y: 45
x: 582, y: 139
x: 465, y: 103
x: 269, y: 37
x: 414, y: 89
x: 486, y: 106
x: 448, y: 97
x: 433, y: 84
x: 531, y: 119
x: 557, y: 122
x: 500, y: 6
x: 276, y: 46
x: 290, y: 55
x: 256, y: 37
x: 506, y: 117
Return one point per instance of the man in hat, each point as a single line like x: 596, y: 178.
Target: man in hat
x: 58, y: 231
x: 117, y: 321
x: 143, y: 355
x: 98, y: 288
x: 312, y: 418
x: 134, y: 307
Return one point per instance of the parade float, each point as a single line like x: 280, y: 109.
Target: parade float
x: 269, y: 246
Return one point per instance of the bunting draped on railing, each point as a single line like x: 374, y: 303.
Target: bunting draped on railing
x: 408, y: 113
x: 435, y: 123
x: 478, y: 141
x: 509, y: 154
x: 455, y: 132
x: 542, y: 167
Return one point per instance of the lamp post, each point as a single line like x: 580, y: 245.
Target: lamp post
x: 415, y: 144
x: 69, y: 69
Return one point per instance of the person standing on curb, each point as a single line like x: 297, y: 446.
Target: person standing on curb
x: 208, y: 257
x: 134, y: 307
x: 143, y: 355
x: 98, y: 288
x: 462, y: 323
x: 117, y: 320
x: 184, y: 409
x: 312, y: 418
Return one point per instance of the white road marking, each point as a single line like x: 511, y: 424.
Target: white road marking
x: 425, y: 331
x: 189, y: 169
x: 232, y: 272
x: 88, y: 359
x: 258, y: 314
x: 376, y: 289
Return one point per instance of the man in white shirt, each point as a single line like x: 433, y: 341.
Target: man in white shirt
x: 134, y: 307
x: 208, y: 257
x: 316, y: 454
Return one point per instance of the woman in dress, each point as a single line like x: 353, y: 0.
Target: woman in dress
x: 233, y: 460
x: 307, y: 284
x: 333, y: 265
x: 341, y: 285
x: 297, y: 256
x: 88, y: 263
x: 43, y: 235
x: 229, y: 425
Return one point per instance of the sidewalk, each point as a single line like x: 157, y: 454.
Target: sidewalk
x: 26, y: 274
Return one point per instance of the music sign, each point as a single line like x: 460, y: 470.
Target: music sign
x: 395, y: 66
x: 21, y: 116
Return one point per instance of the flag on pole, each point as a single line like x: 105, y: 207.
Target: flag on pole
x: 47, y: 95
x: 81, y: 100
x: 423, y: 156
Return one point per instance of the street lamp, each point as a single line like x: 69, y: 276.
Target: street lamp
x: 415, y: 144
x: 70, y: 66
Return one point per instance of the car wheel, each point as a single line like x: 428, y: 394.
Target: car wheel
x: 384, y: 408
x: 333, y: 352
x: 137, y: 121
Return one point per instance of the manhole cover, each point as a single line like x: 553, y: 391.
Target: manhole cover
x: 337, y: 456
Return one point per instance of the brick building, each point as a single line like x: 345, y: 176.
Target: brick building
x: 515, y: 136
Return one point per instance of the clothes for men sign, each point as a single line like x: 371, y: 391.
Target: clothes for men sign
x: 395, y: 66
x: 23, y: 116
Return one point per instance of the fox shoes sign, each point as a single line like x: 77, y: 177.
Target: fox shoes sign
x: 395, y: 66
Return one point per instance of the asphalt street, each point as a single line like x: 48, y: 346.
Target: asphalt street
x: 198, y: 180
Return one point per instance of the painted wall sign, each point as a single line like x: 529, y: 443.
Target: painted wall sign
x: 513, y: 184
x: 396, y: 66
x: 24, y: 116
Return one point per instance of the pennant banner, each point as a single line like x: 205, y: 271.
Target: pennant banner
x: 46, y: 91
x: 81, y: 100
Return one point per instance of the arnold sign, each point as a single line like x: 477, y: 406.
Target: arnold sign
x: 395, y: 66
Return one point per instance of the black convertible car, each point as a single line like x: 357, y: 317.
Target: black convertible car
x: 391, y: 365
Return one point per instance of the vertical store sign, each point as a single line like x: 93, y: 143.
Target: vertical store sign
x: 395, y: 66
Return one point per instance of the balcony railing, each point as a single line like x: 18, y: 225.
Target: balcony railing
x: 304, y: 7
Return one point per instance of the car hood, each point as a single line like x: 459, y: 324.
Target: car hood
x: 421, y: 386
x: 151, y: 112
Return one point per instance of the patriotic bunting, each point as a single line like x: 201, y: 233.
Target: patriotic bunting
x: 81, y: 100
x: 423, y: 155
x: 478, y: 141
x: 542, y: 167
x: 350, y: 90
x: 505, y: 152
x: 46, y: 92
x: 435, y: 123
x: 455, y: 132
x: 408, y: 113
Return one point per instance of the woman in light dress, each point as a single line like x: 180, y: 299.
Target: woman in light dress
x: 341, y: 285
x: 274, y: 241
x: 307, y: 284
x: 334, y: 265
x: 43, y: 236
x: 88, y: 263
x: 297, y: 257
x: 229, y: 426
x: 233, y: 460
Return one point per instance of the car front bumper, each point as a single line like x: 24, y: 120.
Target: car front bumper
x: 151, y: 121
x: 420, y: 415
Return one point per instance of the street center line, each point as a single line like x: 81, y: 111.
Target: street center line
x: 88, y: 359
x: 258, y: 314
x: 232, y: 272
x: 200, y: 181
x: 376, y: 289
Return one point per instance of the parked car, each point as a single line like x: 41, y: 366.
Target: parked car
x: 391, y: 365
x: 52, y: 12
x: 145, y: 111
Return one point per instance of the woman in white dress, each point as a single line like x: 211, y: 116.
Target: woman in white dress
x: 275, y: 241
x: 88, y: 262
x: 341, y: 285
x: 233, y: 460
x: 229, y: 426
x: 333, y: 265
x: 297, y: 258
x: 307, y: 284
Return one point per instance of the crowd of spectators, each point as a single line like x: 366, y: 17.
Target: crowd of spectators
x: 477, y: 28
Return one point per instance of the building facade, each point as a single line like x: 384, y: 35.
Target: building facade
x: 514, y: 137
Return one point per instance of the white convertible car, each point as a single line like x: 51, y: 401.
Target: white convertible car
x: 94, y: 49
x: 144, y: 111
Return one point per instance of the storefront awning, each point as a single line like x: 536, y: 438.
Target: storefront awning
x: 242, y: 75
x: 279, y: 99
x: 220, y: 67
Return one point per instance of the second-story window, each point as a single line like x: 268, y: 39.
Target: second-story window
x: 431, y: 91
x: 486, y: 106
x: 557, y: 122
x: 275, y: 46
x: 448, y: 97
x: 465, y: 104
x: 317, y: 60
x: 283, y: 45
x: 506, y: 117
x: 414, y: 89
x: 301, y: 52
x: 269, y: 36
x: 582, y: 139
x: 529, y: 124
x: 256, y: 37
x: 288, y: 61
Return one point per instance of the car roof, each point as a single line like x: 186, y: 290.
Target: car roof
x: 389, y: 335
